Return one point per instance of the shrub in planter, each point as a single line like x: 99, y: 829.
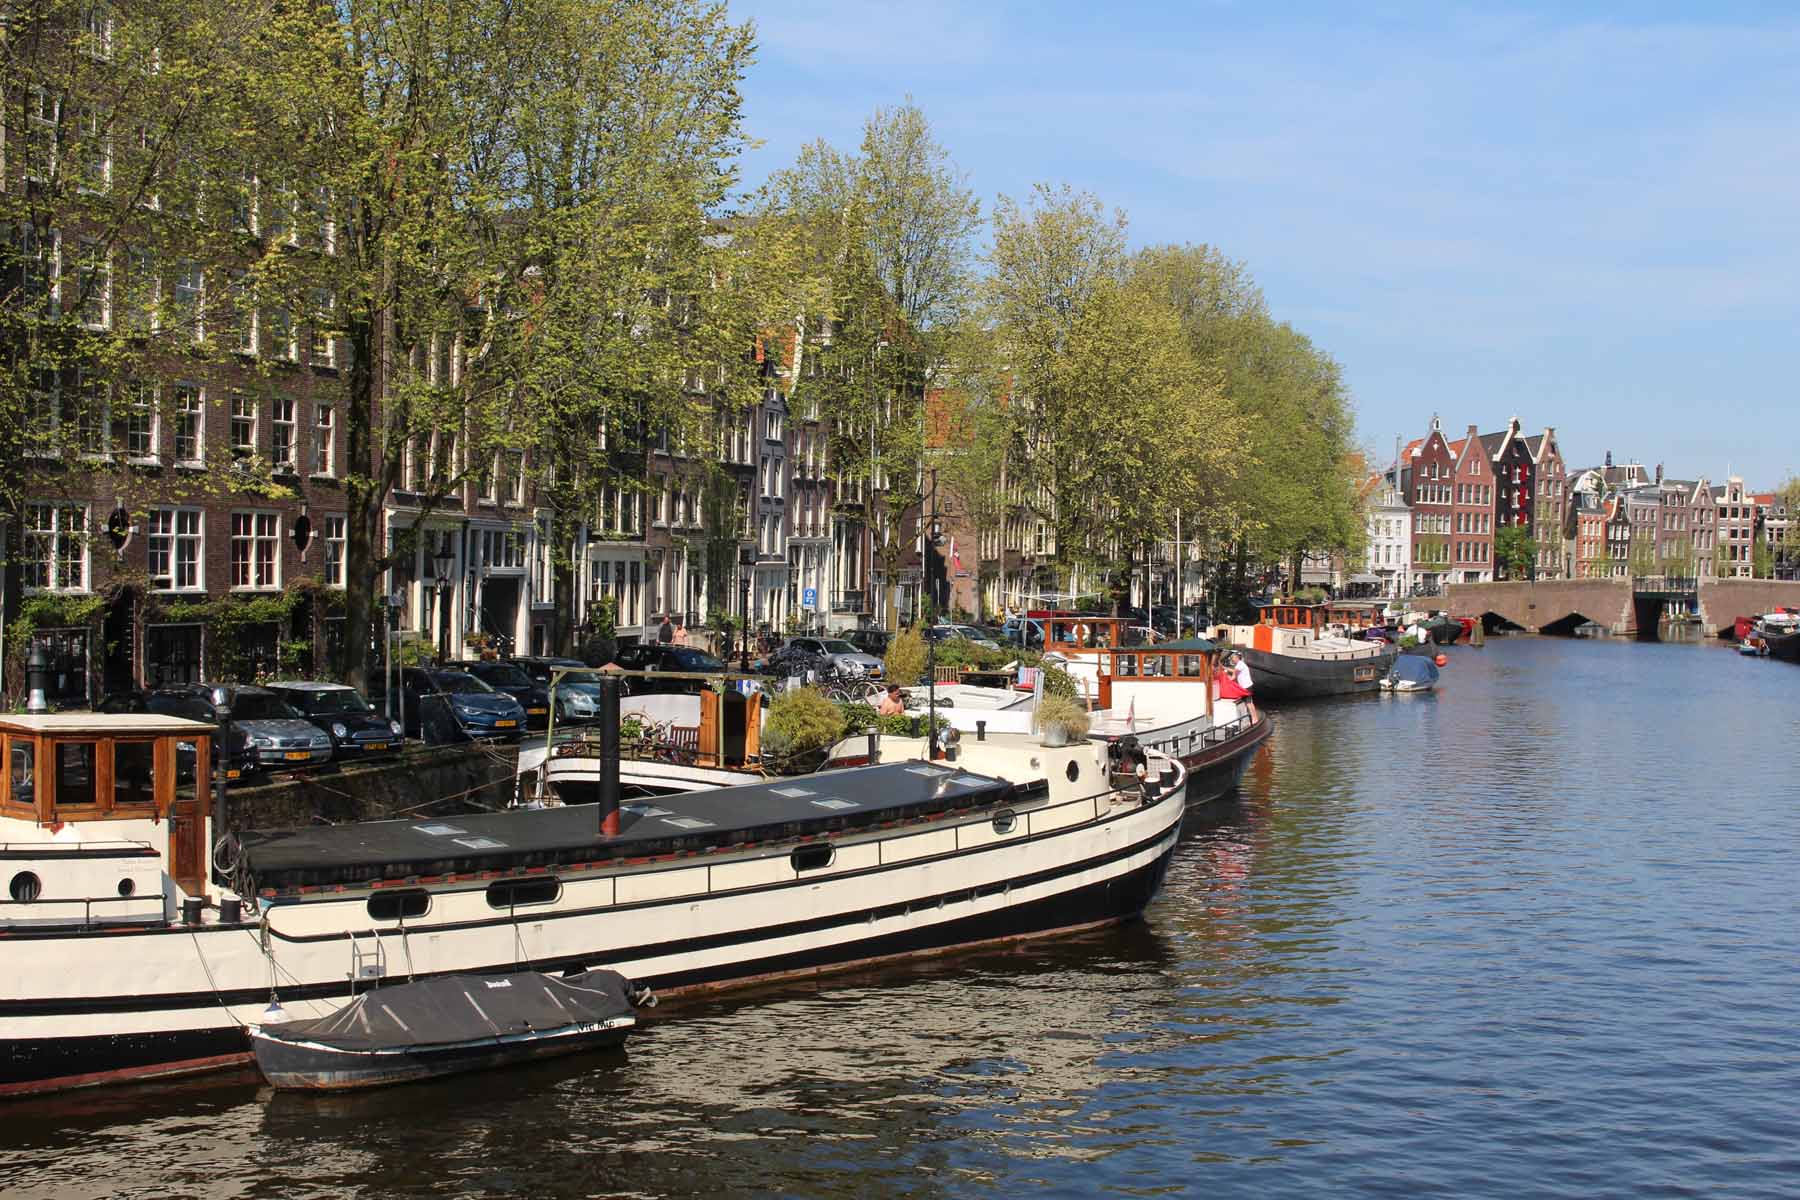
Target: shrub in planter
x: 1061, y: 719
x: 802, y: 724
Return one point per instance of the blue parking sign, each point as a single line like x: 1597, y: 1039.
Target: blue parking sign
x: 809, y: 597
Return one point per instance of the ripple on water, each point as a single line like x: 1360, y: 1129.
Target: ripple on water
x: 1531, y: 935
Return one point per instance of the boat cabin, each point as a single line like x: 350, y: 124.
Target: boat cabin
x: 95, y: 810
x: 1085, y: 633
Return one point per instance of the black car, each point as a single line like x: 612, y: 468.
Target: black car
x: 870, y: 641
x: 240, y: 758
x: 658, y: 656
x: 515, y: 681
x: 356, y: 729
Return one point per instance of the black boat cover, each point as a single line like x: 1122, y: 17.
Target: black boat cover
x: 802, y: 806
x: 1415, y: 669
x: 463, y: 1008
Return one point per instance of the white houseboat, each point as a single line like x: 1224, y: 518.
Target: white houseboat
x: 136, y: 940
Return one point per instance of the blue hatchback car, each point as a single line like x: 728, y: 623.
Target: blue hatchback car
x: 442, y: 704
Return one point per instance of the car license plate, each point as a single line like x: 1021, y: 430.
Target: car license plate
x: 506, y: 724
x: 297, y: 755
x: 537, y: 712
x: 233, y: 773
x: 376, y: 746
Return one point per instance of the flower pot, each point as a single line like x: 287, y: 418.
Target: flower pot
x: 1055, y: 735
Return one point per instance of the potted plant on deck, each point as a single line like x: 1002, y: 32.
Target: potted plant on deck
x: 1061, y: 720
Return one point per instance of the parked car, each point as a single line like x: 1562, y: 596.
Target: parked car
x: 870, y: 641
x: 577, y: 690
x: 1024, y: 631
x: 656, y: 656
x: 838, y: 655
x: 238, y: 759
x: 275, y: 735
x: 357, y: 730
x: 515, y: 681
x: 444, y: 705
x: 940, y: 633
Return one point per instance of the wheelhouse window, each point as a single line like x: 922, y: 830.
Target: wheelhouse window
x: 77, y: 775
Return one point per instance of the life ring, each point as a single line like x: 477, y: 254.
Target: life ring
x: 1080, y: 633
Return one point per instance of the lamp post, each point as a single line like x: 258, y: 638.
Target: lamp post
x: 442, y: 562
x: 746, y: 565
x: 936, y: 534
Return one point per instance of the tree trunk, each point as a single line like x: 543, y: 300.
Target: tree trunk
x: 362, y: 492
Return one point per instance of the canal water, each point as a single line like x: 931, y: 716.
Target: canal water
x: 1534, y: 935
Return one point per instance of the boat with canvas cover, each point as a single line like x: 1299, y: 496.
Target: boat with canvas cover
x: 127, y: 950
x: 435, y: 1027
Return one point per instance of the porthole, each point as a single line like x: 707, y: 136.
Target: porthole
x: 26, y: 887
x: 811, y: 858
x: 1005, y: 820
x: 516, y: 893
x: 1074, y: 772
x: 399, y: 905
x: 127, y: 887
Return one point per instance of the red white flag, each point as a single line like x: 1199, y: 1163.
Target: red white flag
x: 955, y: 558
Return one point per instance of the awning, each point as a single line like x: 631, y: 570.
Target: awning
x: 1365, y: 578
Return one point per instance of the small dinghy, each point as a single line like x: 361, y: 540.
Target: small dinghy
x: 443, y: 1026
x: 1410, y: 673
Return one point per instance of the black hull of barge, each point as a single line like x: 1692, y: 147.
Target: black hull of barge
x: 1282, y: 677
x: 1216, y: 770
x: 37, y: 1065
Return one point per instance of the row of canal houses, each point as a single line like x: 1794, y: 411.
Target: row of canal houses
x: 1435, y: 516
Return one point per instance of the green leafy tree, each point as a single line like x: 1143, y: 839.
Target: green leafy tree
x: 1515, y: 550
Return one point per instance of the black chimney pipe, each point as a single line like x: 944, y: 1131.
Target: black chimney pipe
x: 609, y: 752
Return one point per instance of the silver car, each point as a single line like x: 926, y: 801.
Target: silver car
x: 278, y: 733
x: 840, y: 655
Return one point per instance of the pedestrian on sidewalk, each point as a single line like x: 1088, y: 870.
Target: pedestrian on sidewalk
x: 665, y: 633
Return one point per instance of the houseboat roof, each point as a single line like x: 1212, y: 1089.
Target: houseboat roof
x: 1193, y: 645
x: 102, y: 724
x: 828, y: 802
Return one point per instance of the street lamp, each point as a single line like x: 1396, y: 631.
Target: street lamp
x: 442, y: 562
x: 37, y: 678
x: 746, y: 564
x: 936, y: 528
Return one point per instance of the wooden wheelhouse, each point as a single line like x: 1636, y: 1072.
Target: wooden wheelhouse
x: 109, y: 777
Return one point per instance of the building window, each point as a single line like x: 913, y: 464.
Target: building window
x: 93, y: 418
x: 176, y: 545
x: 37, y: 267
x: 334, y: 550
x: 143, y: 288
x: 243, y: 426
x: 323, y: 441
x: 56, y: 547
x: 140, y: 419
x: 186, y: 297
x: 254, y: 541
x: 324, y: 344
x: 282, y: 435
x: 281, y: 334
x: 43, y: 115
x: 190, y: 425
x: 243, y: 313
x: 515, y: 476
x: 93, y: 287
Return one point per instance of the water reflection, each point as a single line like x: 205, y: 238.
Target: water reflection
x: 1528, y: 935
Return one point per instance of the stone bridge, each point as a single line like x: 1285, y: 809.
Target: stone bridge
x: 1557, y: 606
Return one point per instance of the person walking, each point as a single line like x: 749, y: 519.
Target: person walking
x: 681, y: 634
x: 665, y: 633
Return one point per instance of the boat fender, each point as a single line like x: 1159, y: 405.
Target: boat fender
x: 1442, y: 660
x: 640, y: 995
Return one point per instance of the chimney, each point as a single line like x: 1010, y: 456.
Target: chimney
x: 1609, y: 458
x: 1659, y: 472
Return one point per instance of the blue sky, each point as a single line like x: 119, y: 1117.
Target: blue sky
x: 1585, y: 215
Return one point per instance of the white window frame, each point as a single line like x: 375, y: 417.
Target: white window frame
x: 47, y: 525
x: 324, y: 440
x: 262, y: 533
x: 279, y: 405
x: 177, y: 526
x: 249, y: 403
x: 181, y: 393
x: 335, y: 528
